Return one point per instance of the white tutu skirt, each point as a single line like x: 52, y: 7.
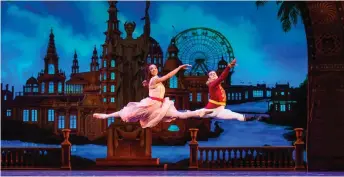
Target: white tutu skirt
x: 149, y: 112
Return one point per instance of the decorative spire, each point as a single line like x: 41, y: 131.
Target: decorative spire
x: 113, y: 22
x: 51, y: 63
x: 94, y: 60
x: 75, y: 55
x: 95, y: 51
x: 51, y: 46
x: 75, y: 65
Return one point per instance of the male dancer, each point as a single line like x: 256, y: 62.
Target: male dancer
x: 217, y: 94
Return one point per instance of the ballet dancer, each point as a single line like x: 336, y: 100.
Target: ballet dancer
x: 217, y: 97
x: 155, y: 108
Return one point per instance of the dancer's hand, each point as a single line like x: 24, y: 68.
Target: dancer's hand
x: 99, y: 116
x: 145, y: 83
x: 233, y: 63
x: 185, y: 66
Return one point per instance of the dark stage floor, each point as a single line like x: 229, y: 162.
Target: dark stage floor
x: 164, y: 173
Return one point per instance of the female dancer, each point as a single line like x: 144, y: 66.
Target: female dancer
x: 154, y: 109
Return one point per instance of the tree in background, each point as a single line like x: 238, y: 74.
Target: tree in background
x: 288, y: 12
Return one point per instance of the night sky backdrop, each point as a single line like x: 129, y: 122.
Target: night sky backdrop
x: 264, y: 52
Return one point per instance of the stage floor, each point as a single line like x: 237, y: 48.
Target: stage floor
x: 163, y: 173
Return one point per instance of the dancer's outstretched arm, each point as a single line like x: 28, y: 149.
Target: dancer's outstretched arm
x: 224, y: 74
x: 170, y: 74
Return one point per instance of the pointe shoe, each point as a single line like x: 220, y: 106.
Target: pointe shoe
x: 205, y: 112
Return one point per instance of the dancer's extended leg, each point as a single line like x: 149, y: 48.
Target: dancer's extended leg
x: 228, y: 114
x: 105, y: 116
x: 187, y: 114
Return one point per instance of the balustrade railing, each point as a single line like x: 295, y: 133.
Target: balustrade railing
x: 38, y: 158
x: 30, y: 157
x: 247, y: 158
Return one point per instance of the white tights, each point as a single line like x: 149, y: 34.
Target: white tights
x: 183, y: 115
x: 226, y: 114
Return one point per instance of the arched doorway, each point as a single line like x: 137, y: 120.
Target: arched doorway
x: 324, y: 24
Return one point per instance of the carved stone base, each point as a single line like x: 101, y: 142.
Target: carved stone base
x: 128, y: 162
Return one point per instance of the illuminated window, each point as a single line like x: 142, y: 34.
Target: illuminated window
x: 104, y: 63
x: 59, y: 87
x: 289, y: 107
x: 25, y: 115
x: 27, y: 89
x: 112, y: 76
x: 113, y: 63
x: 190, y: 96
x: 104, y: 88
x: 246, y: 94
x: 34, y: 115
x: 199, y: 97
x: 51, y: 87
x: 72, y: 120
x: 112, y: 88
x: 110, y: 120
x: 5, y: 97
x: 8, y: 113
x: 104, y: 100
x: 268, y: 93
x: 112, y: 99
x: 282, y: 93
x: 51, y: 115
x: 51, y: 69
x: 104, y: 76
x: 282, y: 107
x: 174, y: 82
x: 61, y: 122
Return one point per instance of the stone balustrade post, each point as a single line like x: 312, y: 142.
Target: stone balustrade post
x: 299, y: 149
x: 110, y: 141
x: 66, y: 150
x: 193, y: 164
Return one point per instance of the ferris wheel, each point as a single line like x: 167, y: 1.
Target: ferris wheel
x: 203, y: 48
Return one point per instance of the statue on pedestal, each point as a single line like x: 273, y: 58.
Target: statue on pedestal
x: 131, y: 58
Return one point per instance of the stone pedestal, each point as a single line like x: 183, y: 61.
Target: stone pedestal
x: 128, y: 145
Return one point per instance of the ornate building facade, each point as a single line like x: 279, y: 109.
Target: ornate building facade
x: 55, y: 103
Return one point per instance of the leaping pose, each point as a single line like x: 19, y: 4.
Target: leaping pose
x: 155, y: 108
x: 217, y: 94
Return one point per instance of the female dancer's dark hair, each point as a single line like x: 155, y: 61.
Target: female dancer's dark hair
x: 148, y: 74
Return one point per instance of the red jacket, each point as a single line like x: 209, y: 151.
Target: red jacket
x: 217, y: 95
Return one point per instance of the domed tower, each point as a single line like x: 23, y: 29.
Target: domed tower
x: 51, y: 80
x: 222, y: 64
x: 172, y: 63
x: 31, y: 86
